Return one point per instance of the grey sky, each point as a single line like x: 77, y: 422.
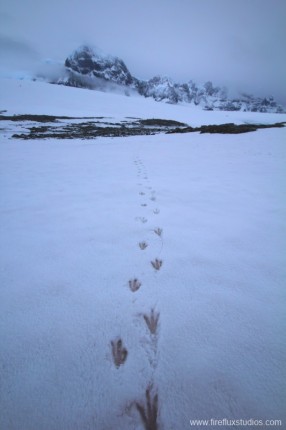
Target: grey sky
x: 232, y: 42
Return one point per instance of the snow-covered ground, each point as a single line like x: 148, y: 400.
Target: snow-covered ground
x: 27, y: 97
x: 72, y: 216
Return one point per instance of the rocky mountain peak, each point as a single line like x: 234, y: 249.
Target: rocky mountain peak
x: 92, y: 62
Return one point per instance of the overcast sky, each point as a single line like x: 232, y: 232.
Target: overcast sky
x: 232, y: 42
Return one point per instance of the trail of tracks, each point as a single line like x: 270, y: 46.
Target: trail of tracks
x: 147, y: 409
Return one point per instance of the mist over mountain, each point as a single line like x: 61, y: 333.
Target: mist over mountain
x: 89, y: 67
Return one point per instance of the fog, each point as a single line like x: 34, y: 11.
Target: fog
x: 238, y: 43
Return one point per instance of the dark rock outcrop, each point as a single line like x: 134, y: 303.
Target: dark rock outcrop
x: 90, y: 62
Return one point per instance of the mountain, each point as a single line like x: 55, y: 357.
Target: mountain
x: 90, y: 68
x: 93, y: 63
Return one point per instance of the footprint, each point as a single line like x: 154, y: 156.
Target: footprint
x: 149, y: 412
x: 152, y: 321
x: 143, y: 245
x: 158, y: 231
x: 142, y: 219
x: 157, y: 264
x: 119, y: 352
x: 134, y: 284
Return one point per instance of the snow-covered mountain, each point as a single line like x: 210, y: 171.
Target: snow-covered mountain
x: 90, y: 68
x: 93, y: 63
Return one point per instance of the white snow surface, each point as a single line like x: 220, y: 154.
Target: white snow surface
x: 72, y: 216
x: 28, y: 97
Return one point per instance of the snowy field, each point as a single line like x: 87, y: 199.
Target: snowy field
x: 205, y: 332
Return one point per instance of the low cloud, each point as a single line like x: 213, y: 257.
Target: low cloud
x: 238, y: 43
x: 17, y: 56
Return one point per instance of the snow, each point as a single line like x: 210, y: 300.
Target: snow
x: 71, y: 221
x: 22, y: 97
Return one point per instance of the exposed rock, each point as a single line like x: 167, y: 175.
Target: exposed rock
x: 91, y: 62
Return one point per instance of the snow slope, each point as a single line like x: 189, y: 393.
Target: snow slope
x: 72, y: 216
x: 26, y: 97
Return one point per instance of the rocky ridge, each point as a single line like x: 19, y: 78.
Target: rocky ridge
x: 89, y: 68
